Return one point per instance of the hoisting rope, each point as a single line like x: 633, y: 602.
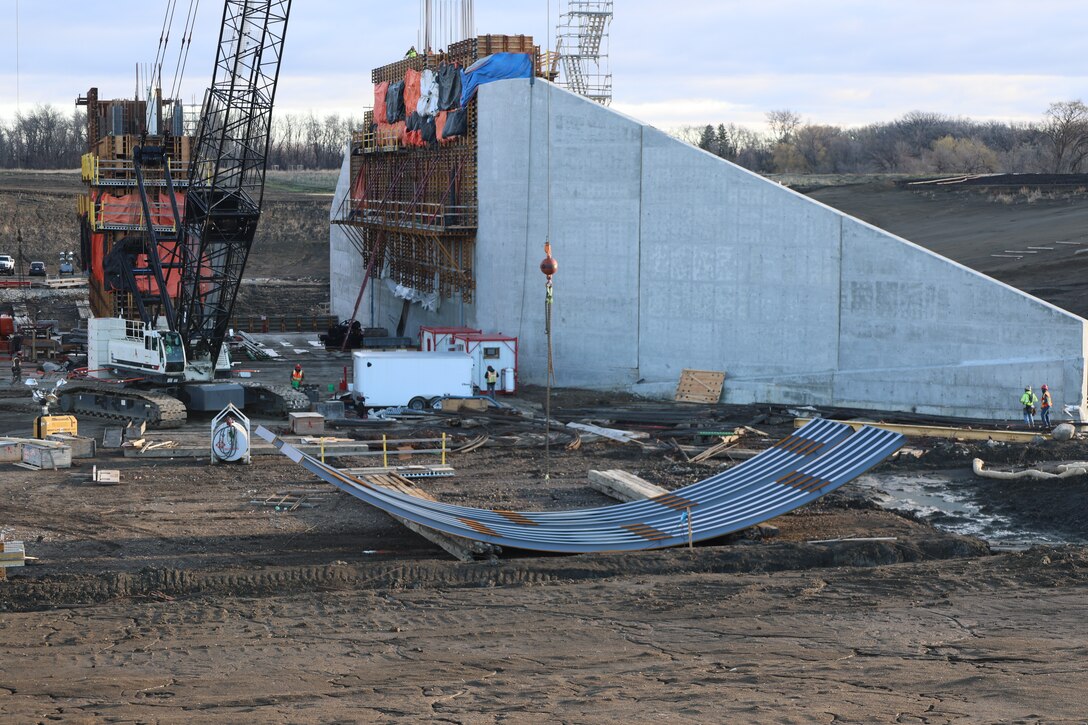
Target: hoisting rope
x: 548, y: 267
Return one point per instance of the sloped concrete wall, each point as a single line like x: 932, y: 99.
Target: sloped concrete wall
x: 671, y: 258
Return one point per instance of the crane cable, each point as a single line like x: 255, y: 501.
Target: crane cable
x: 183, y: 48
x: 548, y: 290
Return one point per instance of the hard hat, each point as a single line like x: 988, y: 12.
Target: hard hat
x: 1028, y: 388
x: 1045, y: 387
x: 298, y: 366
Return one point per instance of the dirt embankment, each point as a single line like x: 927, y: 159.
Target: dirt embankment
x: 292, y: 241
x: 1037, y: 235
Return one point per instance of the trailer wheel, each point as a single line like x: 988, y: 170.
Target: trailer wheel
x: 432, y: 404
x: 417, y: 403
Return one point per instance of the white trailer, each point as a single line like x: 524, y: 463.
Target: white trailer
x: 383, y: 379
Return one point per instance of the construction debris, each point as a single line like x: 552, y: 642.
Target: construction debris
x: 12, y: 554
x: 294, y: 499
x: 1065, y: 470
x: 105, y: 476
x: 937, y: 431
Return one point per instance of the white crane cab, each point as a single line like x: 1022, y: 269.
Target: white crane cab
x: 129, y: 348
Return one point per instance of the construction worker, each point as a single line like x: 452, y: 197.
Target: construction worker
x: 1044, y: 407
x: 411, y: 52
x: 16, y: 368
x: 1029, y: 400
x: 492, y: 378
x: 297, y: 376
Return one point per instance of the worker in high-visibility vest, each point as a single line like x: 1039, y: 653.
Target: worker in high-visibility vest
x: 492, y: 378
x: 1028, y: 400
x: 1044, y: 407
x: 297, y: 376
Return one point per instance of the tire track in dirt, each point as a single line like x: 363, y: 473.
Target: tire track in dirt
x: 28, y: 594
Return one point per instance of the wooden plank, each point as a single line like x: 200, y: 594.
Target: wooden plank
x: 623, y: 486
x: 460, y: 548
x: 623, y: 436
x: 937, y: 431
x: 700, y: 386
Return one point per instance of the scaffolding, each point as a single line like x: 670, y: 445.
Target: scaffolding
x: 581, y: 50
x: 412, y: 211
x: 112, y: 216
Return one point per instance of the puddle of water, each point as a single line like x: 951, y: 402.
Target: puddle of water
x: 931, y: 497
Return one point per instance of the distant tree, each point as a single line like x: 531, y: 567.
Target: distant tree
x: 783, y: 123
x: 961, y: 155
x: 727, y: 145
x: 1066, y: 128
x: 707, y: 139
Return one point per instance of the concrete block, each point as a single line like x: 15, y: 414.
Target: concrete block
x: 307, y: 423
x: 330, y: 409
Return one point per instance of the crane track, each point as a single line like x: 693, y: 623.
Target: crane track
x: 275, y: 399
x: 110, y: 400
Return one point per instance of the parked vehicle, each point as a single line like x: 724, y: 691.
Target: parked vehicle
x: 66, y: 268
x: 37, y: 269
x: 7, y: 264
x: 409, y: 378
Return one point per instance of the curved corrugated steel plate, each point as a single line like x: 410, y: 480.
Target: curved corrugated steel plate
x: 797, y: 470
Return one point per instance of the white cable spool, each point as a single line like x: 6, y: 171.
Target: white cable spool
x: 230, y: 436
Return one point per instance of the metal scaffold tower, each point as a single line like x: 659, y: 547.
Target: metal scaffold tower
x: 582, y: 49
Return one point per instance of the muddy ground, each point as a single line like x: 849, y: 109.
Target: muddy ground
x: 174, y: 597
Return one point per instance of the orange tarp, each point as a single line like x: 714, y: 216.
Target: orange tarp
x: 148, y: 285
x: 380, y: 92
x: 358, y: 188
x: 126, y: 209
x: 411, y: 91
x: 98, y: 252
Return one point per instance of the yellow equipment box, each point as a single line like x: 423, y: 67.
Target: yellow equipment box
x: 47, y: 425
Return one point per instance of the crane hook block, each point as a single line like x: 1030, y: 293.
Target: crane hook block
x: 549, y: 266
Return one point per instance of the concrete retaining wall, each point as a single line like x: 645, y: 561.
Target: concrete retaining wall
x: 672, y: 258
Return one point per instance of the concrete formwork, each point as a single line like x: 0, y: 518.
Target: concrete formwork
x: 672, y: 258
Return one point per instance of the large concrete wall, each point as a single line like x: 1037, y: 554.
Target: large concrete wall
x: 671, y: 258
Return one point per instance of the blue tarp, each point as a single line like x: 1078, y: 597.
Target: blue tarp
x: 497, y: 67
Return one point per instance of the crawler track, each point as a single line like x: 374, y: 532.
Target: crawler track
x: 112, y: 400
x: 274, y: 399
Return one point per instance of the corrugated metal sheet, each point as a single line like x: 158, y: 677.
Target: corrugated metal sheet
x: 798, y: 470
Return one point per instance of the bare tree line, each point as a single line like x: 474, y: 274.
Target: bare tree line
x: 917, y: 143
x: 46, y: 138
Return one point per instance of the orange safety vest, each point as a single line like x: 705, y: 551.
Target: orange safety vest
x: 296, y: 376
x: 1046, y: 399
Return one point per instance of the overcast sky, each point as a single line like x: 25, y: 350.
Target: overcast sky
x: 845, y: 62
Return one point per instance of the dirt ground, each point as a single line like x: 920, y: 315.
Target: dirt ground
x: 178, y: 596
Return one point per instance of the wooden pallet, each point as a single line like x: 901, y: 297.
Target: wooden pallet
x: 700, y: 386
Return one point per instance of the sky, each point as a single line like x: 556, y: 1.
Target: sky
x: 685, y: 62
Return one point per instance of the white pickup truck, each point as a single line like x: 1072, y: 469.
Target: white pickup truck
x: 7, y: 264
